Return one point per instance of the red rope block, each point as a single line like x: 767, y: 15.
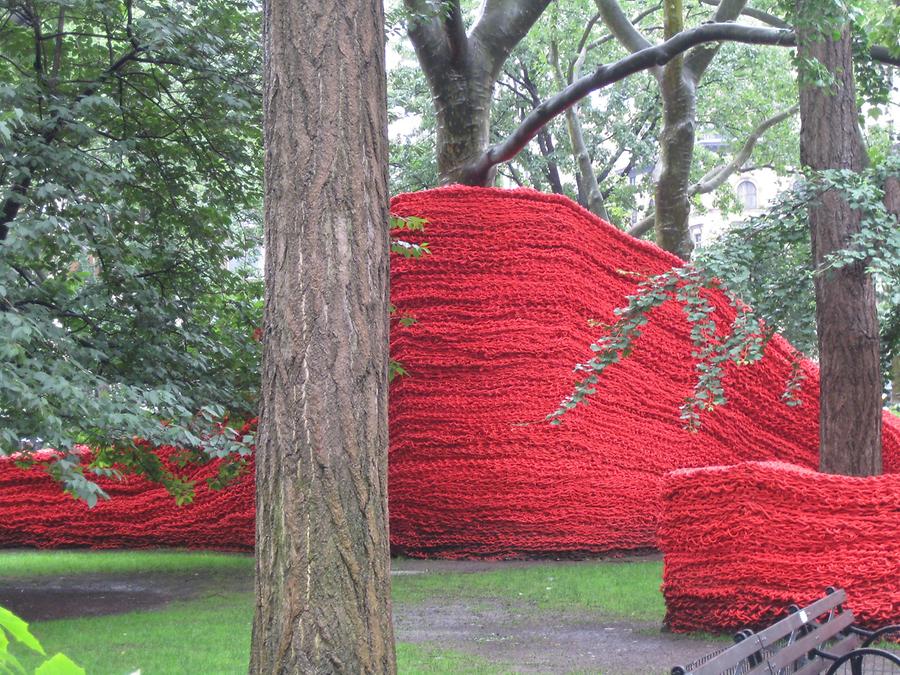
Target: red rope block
x: 743, y: 542
x: 35, y: 512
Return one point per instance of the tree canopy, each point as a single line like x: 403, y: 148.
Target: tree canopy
x: 131, y: 183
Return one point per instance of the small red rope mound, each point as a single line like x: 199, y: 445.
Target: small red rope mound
x: 503, y: 306
x: 35, y: 512
x: 743, y: 542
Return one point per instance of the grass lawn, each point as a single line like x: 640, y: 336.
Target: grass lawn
x: 211, y: 634
x: 61, y: 563
x: 627, y: 590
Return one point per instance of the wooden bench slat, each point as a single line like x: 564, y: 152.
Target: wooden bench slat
x: 790, y: 653
x: 780, y: 630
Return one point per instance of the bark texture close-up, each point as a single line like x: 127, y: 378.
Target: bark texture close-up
x: 322, y: 553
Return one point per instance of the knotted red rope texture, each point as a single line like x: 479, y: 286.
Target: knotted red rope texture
x: 743, y: 542
x: 34, y: 511
x: 503, y: 306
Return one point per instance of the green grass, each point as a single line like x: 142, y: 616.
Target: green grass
x: 210, y: 635
x: 627, y: 590
x: 59, y: 563
x: 412, y: 658
x: 206, y: 636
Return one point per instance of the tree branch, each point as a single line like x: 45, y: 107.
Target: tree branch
x: 605, y: 75
x: 588, y: 180
x: 878, y: 53
x: 456, y: 32
x: 426, y: 32
x: 642, y: 227
x: 758, y: 14
x: 699, y: 59
x: 883, y: 55
x: 502, y: 26
x: 717, y: 176
x: 621, y: 27
x: 714, y: 178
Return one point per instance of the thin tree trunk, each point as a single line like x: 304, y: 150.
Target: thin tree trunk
x: 847, y: 321
x: 672, y: 208
x: 322, y: 556
x: 678, y: 81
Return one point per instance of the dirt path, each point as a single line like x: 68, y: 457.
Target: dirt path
x: 525, y: 640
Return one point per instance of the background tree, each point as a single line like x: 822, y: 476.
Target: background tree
x: 846, y: 312
x: 852, y: 231
x: 130, y: 170
x: 322, y: 556
x: 462, y: 66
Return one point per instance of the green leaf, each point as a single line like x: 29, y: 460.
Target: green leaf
x: 18, y: 629
x: 59, y: 664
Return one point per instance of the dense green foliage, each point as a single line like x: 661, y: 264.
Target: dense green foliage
x: 767, y: 261
x: 130, y: 182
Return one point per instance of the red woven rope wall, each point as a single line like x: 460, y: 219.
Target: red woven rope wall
x: 502, y: 308
x: 35, y: 512
x: 743, y: 542
x: 503, y: 305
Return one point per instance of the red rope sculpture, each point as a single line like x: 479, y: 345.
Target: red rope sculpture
x: 35, y: 512
x: 505, y: 305
x: 743, y: 542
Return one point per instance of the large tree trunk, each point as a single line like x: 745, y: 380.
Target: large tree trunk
x: 461, y: 68
x: 850, y: 373
x: 322, y: 556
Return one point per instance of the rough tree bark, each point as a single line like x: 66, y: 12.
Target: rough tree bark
x: 846, y: 316
x: 462, y: 68
x: 322, y: 557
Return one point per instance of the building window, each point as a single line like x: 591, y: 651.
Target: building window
x: 746, y: 192
x: 697, y: 233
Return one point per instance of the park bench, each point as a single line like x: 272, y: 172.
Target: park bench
x: 819, y: 638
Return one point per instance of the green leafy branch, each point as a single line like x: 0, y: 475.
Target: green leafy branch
x: 407, y: 250
x: 877, y: 245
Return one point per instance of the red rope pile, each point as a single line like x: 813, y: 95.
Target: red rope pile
x: 743, y: 542
x: 35, y: 512
x: 503, y: 306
